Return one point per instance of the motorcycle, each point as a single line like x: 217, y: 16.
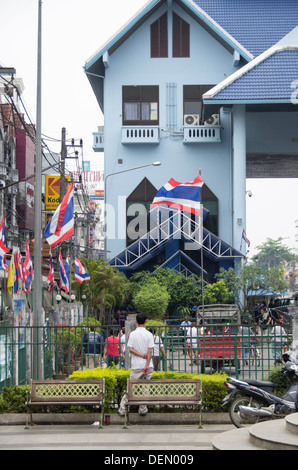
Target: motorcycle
x: 257, y: 401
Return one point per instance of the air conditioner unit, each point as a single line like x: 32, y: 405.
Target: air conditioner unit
x: 191, y: 119
x: 212, y: 120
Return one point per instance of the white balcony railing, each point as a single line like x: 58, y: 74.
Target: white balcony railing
x: 140, y: 135
x: 196, y: 134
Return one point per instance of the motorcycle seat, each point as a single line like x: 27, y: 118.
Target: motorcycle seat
x: 261, y: 384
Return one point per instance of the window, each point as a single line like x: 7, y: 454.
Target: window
x: 140, y: 105
x: 193, y: 97
x: 159, y: 37
x: 210, y: 202
x: 181, y: 37
x: 138, y: 211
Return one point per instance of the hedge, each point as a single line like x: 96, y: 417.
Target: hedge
x: 13, y: 399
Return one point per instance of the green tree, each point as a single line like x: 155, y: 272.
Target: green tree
x: 152, y: 299
x: 273, y: 254
x: 218, y: 293
x: 183, y: 291
x: 252, y: 277
x: 106, y: 288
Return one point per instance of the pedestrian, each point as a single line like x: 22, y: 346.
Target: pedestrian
x: 247, y: 342
x: 158, y: 348
x: 113, y: 349
x: 278, y: 341
x: 140, y: 344
x: 93, y: 345
x: 183, y: 332
x: 122, y: 342
x: 192, y: 342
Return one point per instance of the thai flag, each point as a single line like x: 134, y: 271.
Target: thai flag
x: 183, y: 196
x: 80, y: 273
x: 245, y: 238
x: 17, y: 273
x: 51, y: 275
x: 64, y: 274
x: 3, y: 248
x: 61, y: 225
x: 28, y: 270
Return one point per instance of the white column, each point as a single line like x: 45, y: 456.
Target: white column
x: 239, y: 176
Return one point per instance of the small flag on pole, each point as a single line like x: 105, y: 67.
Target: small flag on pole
x: 80, y: 273
x: 61, y: 225
x: 64, y: 274
x: 244, y: 237
x: 28, y: 270
x: 3, y: 248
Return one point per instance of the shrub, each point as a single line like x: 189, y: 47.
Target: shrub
x: 13, y: 399
x: 116, y: 380
x: 281, y: 381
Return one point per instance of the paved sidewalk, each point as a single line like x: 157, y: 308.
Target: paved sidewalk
x: 111, y: 438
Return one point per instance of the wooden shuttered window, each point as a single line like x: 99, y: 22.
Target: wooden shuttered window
x: 181, y: 37
x: 159, y: 37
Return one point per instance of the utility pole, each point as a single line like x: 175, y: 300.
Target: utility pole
x: 63, y: 157
x: 37, y: 285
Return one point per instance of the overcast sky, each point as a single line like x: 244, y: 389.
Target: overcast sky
x: 72, y: 30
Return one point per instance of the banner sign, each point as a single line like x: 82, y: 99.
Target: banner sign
x: 52, y: 200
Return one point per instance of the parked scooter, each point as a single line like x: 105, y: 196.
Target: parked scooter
x: 255, y: 400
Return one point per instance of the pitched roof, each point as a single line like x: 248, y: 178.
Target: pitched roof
x: 194, y: 6
x: 266, y: 79
x: 256, y: 24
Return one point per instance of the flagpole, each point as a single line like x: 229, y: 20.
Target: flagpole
x: 37, y: 294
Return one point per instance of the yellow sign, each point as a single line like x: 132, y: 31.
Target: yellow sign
x: 52, y: 199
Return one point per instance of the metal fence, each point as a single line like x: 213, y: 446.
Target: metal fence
x: 239, y: 350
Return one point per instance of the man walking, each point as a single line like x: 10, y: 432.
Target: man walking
x: 140, y: 344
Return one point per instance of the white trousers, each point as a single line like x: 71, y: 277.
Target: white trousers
x: 136, y: 374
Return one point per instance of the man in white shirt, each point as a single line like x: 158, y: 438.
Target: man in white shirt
x: 140, y: 344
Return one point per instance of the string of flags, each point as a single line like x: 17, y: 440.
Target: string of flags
x: 59, y: 229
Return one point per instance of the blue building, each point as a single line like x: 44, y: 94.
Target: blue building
x: 206, y: 86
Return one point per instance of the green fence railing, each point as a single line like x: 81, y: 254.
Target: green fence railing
x: 234, y: 349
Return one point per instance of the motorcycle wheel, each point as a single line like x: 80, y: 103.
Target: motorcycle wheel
x: 240, y: 419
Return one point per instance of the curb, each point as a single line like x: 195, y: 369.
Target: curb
x: 11, y: 419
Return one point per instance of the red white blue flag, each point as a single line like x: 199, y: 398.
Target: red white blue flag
x: 80, y: 273
x: 64, y: 274
x: 61, y: 225
x: 28, y: 271
x: 245, y: 238
x: 183, y: 196
x: 18, y: 272
x: 3, y: 248
x: 51, y: 275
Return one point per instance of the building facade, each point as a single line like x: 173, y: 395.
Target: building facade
x: 187, y: 83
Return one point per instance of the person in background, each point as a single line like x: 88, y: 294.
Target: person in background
x: 122, y: 342
x: 113, y: 349
x: 192, y: 342
x: 183, y: 332
x: 158, y: 348
x: 93, y: 345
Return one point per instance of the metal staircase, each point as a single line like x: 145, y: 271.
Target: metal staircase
x: 172, y: 225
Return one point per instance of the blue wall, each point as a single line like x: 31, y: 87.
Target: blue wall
x: 209, y: 63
